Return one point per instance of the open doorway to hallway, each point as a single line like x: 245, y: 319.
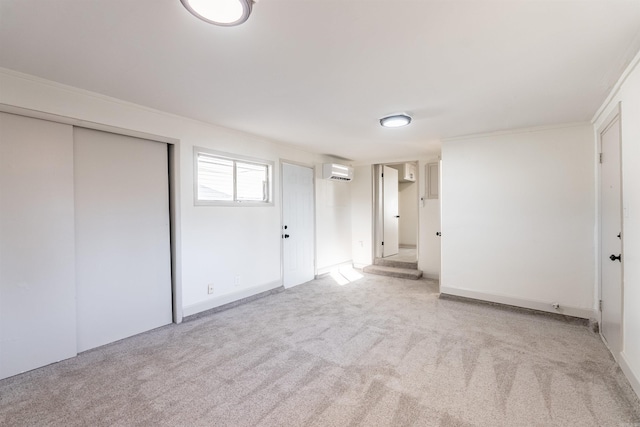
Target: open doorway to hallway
x: 396, y: 220
x: 397, y: 211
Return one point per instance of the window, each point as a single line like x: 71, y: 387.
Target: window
x: 223, y: 179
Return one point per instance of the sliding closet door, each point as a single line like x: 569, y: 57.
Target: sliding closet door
x: 123, y: 264
x: 37, y: 284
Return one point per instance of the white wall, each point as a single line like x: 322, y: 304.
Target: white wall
x: 518, y: 218
x: 362, y: 216
x: 333, y: 223
x: 627, y: 93
x: 217, y: 243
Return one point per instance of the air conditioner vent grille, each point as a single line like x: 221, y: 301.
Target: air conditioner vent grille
x: 337, y: 172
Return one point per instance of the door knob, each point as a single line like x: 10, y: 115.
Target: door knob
x: 397, y: 216
x: 286, y: 236
x: 615, y: 257
x: 438, y: 234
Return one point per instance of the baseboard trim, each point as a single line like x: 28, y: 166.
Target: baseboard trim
x: 633, y: 378
x: 226, y: 301
x: 538, y: 306
x: 326, y: 270
x: 359, y: 265
x: 432, y: 276
x: 407, y: 246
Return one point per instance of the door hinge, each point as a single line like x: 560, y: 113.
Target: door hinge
x: 600, y: 157
x: 382, y: 176
x: 600, y: 305
x: 382, y: 243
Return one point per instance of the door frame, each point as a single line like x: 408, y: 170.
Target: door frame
x: 173, y: 169
x: 606, y: 124
x: 311, y: 166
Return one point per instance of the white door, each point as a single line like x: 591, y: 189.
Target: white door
x: 297, y: 225
x: 37, y: 264
x: 390, y: 211
x: 123, y: 264
x: 611, y: 237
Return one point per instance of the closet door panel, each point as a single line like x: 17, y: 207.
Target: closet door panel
x: 37, y: 247
x: 123, y: 263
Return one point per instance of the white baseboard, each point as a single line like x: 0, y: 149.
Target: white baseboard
x: 325, y: 270
x: 229, y: 298
x: 432, y: 276
x: 583, y: 313
x: 634, y: 379
x: 359, y: 266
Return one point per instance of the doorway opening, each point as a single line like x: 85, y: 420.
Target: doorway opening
x: 396, y: 212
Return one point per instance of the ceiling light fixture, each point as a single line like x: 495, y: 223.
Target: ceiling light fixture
x: 226, y: 13
x: 395, y: 120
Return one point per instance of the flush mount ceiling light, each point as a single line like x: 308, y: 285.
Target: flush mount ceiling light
x: 395, y: 120
x: 226, y: 13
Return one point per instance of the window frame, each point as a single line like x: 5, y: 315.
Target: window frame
x: 235, y: 158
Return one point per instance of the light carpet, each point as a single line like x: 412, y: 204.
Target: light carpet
x: 378, y: 351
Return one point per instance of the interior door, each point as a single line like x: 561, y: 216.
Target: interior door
x: 123, y: 264
x: 611, y: 237
x: 298, y: 257
x: 390, y: 211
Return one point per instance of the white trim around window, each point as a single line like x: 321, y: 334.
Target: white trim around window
x: 224, y: 179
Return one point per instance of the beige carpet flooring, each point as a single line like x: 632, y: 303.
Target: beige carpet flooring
x: 375, y: 352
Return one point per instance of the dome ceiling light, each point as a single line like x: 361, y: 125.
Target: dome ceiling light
x: 395, y: 120
x: 226, y: 13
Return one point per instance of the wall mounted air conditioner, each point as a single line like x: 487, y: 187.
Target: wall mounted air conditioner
x: 337, y: 172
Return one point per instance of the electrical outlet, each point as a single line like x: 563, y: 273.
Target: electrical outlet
x: 236, y: 280
x: 210, y: 289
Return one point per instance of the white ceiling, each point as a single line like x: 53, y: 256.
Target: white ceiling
x: 320, y: 73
